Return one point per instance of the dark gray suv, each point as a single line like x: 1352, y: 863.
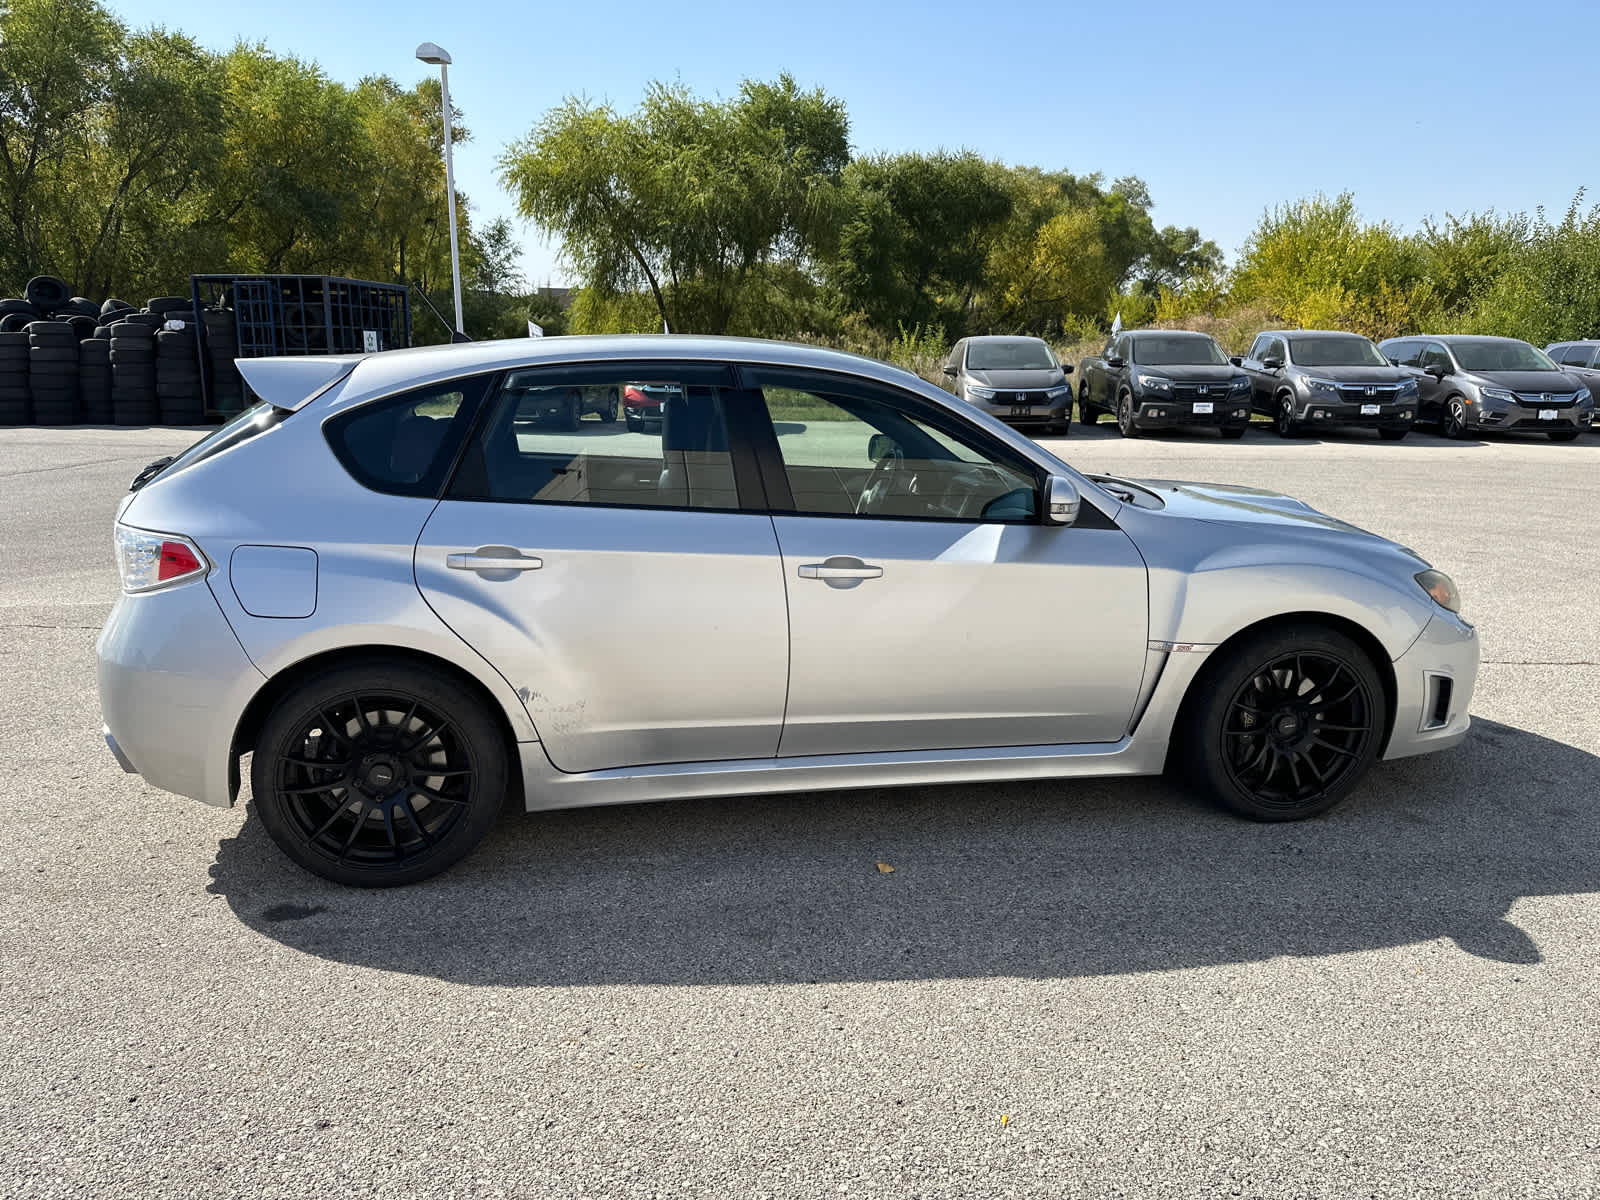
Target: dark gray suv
x: 1482, y: 383
x: 1316, y: 378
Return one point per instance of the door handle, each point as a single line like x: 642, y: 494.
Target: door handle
x: 840, y: 568
x: 480, y: 561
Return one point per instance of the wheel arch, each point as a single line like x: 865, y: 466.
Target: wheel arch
x: 1356, y: 632
x: 247, y: 730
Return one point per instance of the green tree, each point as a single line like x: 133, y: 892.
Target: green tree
x: 688, y: 199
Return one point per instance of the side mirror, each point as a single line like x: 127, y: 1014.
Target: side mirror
x: 1272, y: 364
x: 1394, y: 362
x: 1066, y: 368
x: 1116, y: 360
x: 1061, y: 501
x: 1436, y: 370
x: 881, y: 446
x: 1236, y: 359
x: 949, y: 370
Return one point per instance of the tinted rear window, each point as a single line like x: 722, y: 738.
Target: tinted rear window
x: 404, y: 444
x: 241, y: 428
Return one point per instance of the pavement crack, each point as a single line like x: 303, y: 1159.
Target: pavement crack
x: 1540, y: 662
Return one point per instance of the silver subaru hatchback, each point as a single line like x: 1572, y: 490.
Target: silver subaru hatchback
x: 404, y: 599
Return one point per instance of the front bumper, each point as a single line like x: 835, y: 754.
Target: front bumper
x: 1156, y: 413
x: 1336, y: 412
x: 1527, y: 418
x: 173, y: 683
x: 1433, y: 688
x: 1056, y: 413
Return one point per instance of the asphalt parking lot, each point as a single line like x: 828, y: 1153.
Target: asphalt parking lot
x: 1102, y: 989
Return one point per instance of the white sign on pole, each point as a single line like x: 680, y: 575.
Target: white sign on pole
x: 535, y: 330
x: 369, y: 341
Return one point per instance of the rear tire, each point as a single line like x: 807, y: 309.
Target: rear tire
x: 379, y: 774
x: 1088, y: 414
x: 1284, y: 724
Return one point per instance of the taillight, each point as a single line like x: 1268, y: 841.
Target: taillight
x: 148, y: 560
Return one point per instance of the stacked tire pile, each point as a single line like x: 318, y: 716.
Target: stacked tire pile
x: 65, y: 360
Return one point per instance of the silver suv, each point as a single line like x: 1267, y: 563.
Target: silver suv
x: 1317, y: 378
x: 405, y: 603
x: 1014, y: 378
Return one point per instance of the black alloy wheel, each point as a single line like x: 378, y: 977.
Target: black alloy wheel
x: 1126, y: 425
x: 377, y: 777
x: 1287, y: 723
x: 608, y: 414
x: 1453, y: 419
x: 1287, y: 426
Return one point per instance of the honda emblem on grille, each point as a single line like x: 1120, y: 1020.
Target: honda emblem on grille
x: 1202, y: 390
x: 1546, y: 397
x: 1372, y: 391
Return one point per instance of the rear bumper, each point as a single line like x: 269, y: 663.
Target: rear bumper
x: 173, y: 683
x: 1433, y: 688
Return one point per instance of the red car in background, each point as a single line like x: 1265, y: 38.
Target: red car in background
x: 641, y: 404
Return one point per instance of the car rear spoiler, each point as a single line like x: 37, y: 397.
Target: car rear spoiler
x: 292, y: 383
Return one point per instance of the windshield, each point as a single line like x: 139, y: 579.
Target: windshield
x: 1487, y: 355
x: 1178, y: 351
x: 1024, y: 354
x: 1346, y: 350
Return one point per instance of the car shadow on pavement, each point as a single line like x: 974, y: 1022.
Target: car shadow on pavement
x: 1030, y: 880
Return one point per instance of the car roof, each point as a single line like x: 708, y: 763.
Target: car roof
x: 1167, y: 333
x: 1293, y: 334
x: 291, y: 382
x: 1450, y: 339
x: 1002, y: 337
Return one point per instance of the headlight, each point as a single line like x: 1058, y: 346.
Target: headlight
x: 1155, y: 383
x: 974, y: 392
x: 1500, y: 394
x: 1241, y: 384
x: 1056, y: 393
x: 1322, y: 387
x: 1582, y: 396
x: 1442, y: 588
x: 1408, y: 388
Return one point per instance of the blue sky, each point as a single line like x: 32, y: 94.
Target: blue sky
x: 1224, y: 109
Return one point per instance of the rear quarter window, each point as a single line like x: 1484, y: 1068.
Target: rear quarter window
x: 404, y: 444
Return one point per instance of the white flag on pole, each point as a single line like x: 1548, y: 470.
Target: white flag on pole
x: 1116, y: 324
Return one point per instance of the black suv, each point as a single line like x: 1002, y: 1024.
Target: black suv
x: 1304, y: 378
x: 1161, y: 378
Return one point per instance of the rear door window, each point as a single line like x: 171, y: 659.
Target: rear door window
x: 667, y: 447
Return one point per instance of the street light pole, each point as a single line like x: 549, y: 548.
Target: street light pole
x: 434, y: 54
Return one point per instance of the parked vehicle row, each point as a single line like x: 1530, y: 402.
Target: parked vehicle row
x: 1302, y: 379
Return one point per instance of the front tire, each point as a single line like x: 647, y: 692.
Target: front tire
x: 1126, y: 425
x: 1284, y: 725
x: 1453, y: 419
x: 608, y: 413
x: 1285, y: 423
x: 378, y: 775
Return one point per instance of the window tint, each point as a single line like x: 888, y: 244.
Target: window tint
x: 1433, y: 355
x: 666, y: 448
x: 849, y: 452
x: 1258, y: 348
x: 1577, y: 356
x: 404, y: 444
x: 1406, y: 353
